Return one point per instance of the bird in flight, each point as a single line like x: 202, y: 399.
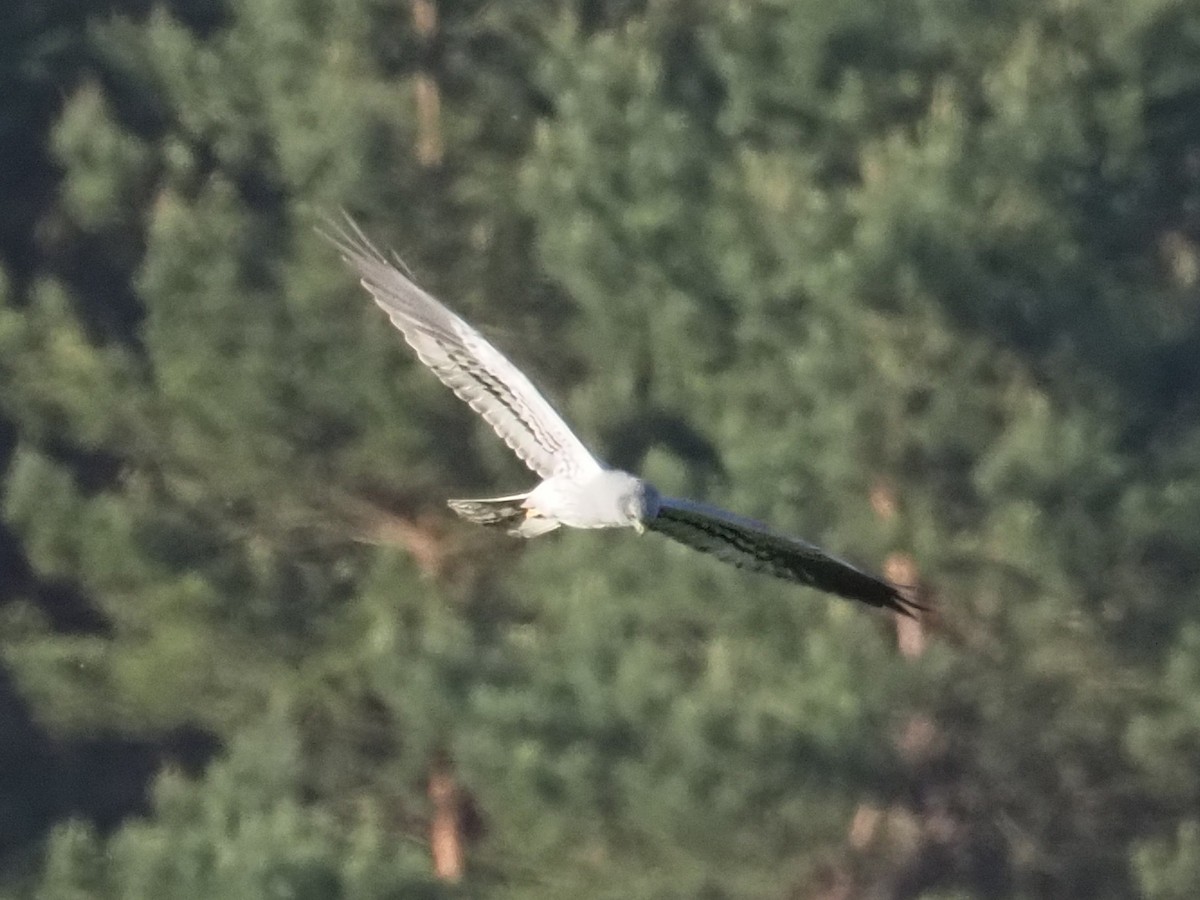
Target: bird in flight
x: 576, y: 489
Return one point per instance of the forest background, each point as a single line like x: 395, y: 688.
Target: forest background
x: 918, y: 281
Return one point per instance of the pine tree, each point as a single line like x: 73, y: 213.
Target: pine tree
x: 916, y: 283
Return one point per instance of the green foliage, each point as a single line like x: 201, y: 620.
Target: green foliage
x: 792, y: 256
x: 240, y: 832
x: 1171, y: 869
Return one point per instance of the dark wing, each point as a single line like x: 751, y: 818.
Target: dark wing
x: 752, y: 545
x: 467, y: 364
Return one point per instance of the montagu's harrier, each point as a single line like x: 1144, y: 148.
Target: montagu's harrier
x: 577, y: 490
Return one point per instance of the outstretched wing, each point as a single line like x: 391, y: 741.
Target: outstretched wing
x: 752, y: 545
x: 467, y: 364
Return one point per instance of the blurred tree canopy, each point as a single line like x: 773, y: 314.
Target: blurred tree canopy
x: 920, y: 282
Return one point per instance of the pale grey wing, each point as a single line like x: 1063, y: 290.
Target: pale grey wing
x: 752, y: 545
x: 467, y: 364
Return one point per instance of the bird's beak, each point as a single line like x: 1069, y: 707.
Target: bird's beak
x: 638, y: 526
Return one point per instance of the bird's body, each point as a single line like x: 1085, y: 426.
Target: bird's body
x: 608, y: 498
x: 576, y: 489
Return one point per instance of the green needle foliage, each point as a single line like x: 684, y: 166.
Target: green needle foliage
x: 911, y: 280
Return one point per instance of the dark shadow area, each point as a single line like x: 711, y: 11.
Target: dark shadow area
x: 102, y: 779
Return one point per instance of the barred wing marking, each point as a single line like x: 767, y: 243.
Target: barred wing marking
x: 752, y: 545
x: 466, y: 363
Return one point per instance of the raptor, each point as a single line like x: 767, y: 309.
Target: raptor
x: 576, y: 489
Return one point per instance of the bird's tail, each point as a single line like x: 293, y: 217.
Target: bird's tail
x: 495, y: 511
x: 509, y: 513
